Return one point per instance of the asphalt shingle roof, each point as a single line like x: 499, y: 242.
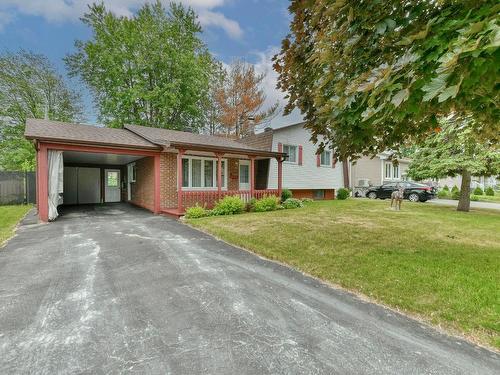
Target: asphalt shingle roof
x: 79, y: 133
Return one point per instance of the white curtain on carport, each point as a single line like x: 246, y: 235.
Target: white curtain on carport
x: 56, y: 187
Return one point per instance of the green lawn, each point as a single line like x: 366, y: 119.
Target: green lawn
x: 431, y: 261
x: 9, y: 217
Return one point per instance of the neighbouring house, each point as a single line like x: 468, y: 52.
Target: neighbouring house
x: 476, y: 181
x: 306, y: 173
x: 164, y: 171
x: 367, y: 171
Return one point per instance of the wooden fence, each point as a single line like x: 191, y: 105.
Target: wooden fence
x: 17, y: 187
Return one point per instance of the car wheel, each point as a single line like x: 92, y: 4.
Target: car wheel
x: 372, y: 195
x: 413, y: 197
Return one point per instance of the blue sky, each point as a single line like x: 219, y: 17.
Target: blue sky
x: 248, y: 29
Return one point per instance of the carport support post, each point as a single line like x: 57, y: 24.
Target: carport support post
x: 219, y: 174
x: 252, y: 176
x: 280, y: 175
x: 180, y: 153
x: 157, y: 184
x: 43, y: 175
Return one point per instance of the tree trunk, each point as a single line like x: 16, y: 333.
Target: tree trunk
x: 464, y: 201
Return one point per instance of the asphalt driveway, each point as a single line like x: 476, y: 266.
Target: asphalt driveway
x: 116, y: 289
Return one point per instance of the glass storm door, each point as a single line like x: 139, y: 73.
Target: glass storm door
x: 244, y: 175
x: 112, y: 188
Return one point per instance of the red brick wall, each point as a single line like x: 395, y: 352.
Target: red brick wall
x: 233, y: 170
x: 168, y: 180
x: 309, y: 193
x: 142, y: 190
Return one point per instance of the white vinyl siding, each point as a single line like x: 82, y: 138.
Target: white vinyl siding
x: 201, y: 173
x: 307, y: 175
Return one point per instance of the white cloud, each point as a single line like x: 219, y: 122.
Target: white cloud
x: 71, y: 10
x: 264, y: 64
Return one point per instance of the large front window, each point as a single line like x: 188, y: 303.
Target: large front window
x: 201, y: 173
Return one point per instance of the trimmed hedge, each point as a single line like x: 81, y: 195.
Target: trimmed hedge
x: 342, y: 194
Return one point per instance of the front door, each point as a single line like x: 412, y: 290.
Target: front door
x: 244, y: 174
x: 112, y: 185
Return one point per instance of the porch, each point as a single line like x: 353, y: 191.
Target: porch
x: 205, y: 176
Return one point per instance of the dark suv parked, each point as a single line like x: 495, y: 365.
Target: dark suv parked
x: 413, y: 191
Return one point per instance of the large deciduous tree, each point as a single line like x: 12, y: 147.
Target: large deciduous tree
x: 151, y: 69
x: 30, y: 87
x: 454, y: 149
x: 369, y: 75
x: 241, y: 100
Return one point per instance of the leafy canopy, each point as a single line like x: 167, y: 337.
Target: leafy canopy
x: 453, y: 150
x: 241, y: 100
x: 151, y: 69
x: 30, y: 87
x: 371, y: 74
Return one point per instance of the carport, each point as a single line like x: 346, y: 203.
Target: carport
x: 97, y: 163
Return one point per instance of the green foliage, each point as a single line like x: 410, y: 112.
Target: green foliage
x: 369, y: 75
x: 30, y: 87
x: 151, y: 69
x: 455, y: 194
x: 474, y: 198
x: 286, y: 194
x: 268, y: 203
x: 197, y: 212
x: 307, y: 200
x: 455, y: 188
x: 478, y: 191
x: 446, y: 188
x: 229, y: 205
x: 455, y: 150
x: 342, y: 194
x: 489, y: 191
x: 292, y: 203
x: 443, y: 194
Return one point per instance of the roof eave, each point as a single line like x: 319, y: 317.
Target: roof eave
x: 246, y: 151
x: 87, y: 143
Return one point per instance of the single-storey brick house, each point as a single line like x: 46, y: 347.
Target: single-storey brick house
x: 162, y: 170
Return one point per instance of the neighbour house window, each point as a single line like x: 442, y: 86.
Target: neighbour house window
x: 326, y: 158
x: 388, y: 168
x: 395, y: 172
x: 391, y: 171
x: 201, y: 173
x: 291, y: 152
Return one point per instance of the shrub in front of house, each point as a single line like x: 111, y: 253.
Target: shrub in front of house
x: 489, y: 191
x: 307, y: 200
x: 455, y: 194
x: 446, y: 188
x: 342, y: 194
x: 286, y: 194
x: 474, y: 198
x: 196, y: 212
x: 268, y: 203
x: 455, y: 188
x: 478, y: 191
x: 229, y: 205
x: 292, y: 203
x: 443, y: 194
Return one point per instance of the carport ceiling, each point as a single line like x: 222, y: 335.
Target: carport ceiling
x: 97, y: 158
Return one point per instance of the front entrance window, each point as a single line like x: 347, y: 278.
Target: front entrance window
x: 112, y: 179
